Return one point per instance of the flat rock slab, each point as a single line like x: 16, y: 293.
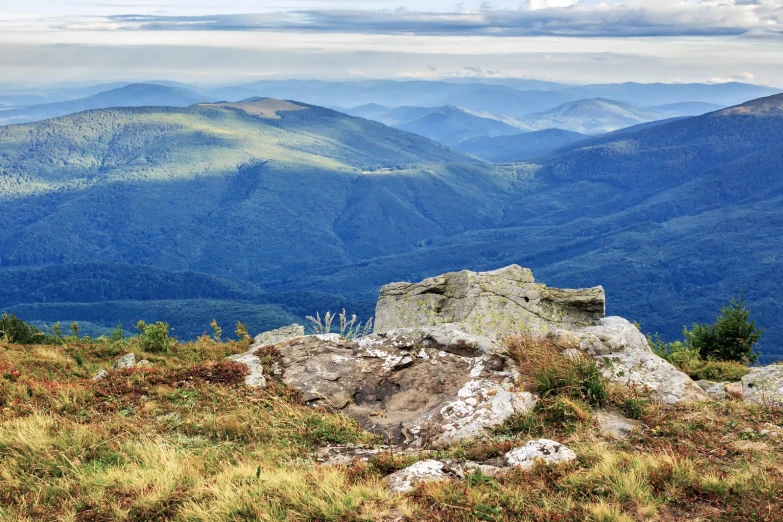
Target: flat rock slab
x: 491, y: 304
x: 625, y: 356
x: 406, y: 386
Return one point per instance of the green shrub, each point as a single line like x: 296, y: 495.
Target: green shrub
x: 154, y: 337
x: 14, y: 330
x: 689, y: 360
x: 731, y: 338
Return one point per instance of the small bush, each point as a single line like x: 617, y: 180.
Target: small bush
x: 577, y: 377
x: 14, y: 330
x: 155, y: 337
x: 732, y: 337
x: 688, y: 359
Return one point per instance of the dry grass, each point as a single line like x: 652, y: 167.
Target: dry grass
x: 186, y: 441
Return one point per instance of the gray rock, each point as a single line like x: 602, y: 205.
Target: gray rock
x: 126, y: 361
x: 256, y: 377
x: 491, y: 304
x: 281, y: 335
x: 715, y: 390
x: 764, y: 385
x: 100, y: 375
x: 406, y: 480
x: 143, y: 362
x: 407, y: 386
x: 543, y: 450
x: 614, y: 424
x: 625, y: 356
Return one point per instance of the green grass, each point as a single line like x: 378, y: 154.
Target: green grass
x: 185, y: 440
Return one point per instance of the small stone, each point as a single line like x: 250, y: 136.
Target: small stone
x: 734, y: 390
x: 406, y: 480
x: 143, y: 362
x: 548, y: 451
x: 100, y: 375
x: 126, y: 361
x: 615, y: 424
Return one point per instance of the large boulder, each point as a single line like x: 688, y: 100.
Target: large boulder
x: 491, y: 304
x: 764, y: 385
x: 421, y: 387
x: 625, y: 356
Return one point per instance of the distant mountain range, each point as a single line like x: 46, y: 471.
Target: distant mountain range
x: 448, y: 125
x: 593, y: 116
x: 134, y: 95
x: 672, y: 218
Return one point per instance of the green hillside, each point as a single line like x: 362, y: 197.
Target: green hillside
x: 307, y: 203
x: 237, y: 190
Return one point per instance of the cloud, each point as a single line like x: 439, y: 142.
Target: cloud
x: 570, y: 18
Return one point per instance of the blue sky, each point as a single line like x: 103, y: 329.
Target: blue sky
x: 566, y: 40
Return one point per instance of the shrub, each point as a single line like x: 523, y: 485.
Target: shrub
x: 14, y: 330
x: 731, y: 338
x: 155, y: 337
x: 555, y: 374
x: 689, y: 360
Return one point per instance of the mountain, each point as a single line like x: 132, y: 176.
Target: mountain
x: 681, y: 109
x: 673, y: 219
x: 134, y: 95
x: 472, y: 96
x: 593, y: 116
x: 652, y: 94
x: 447, y: 125
x: 451, y: 125
x: 252, y: 190
x: 519, y: 147
x: 509, y: 96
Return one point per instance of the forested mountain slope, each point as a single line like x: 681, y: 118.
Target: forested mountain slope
x: 252, y: 190
x: 673, y: 219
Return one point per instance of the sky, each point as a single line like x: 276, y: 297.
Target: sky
x: 576, y: 41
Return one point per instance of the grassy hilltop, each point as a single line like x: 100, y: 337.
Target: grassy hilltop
x: 185, y: 440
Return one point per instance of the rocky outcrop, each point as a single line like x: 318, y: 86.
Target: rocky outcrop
x: 491, y: 304
x: 426, y: 386
x: 281, y: 335
x: 764, y: 385
x: 625, y: 356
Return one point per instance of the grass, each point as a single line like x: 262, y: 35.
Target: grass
x: 185, y: 440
